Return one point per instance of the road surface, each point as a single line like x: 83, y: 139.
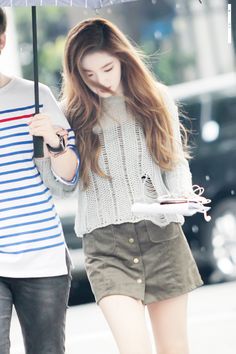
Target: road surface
x: 212, y: 325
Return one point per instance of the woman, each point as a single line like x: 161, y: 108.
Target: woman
x: 127, y: 132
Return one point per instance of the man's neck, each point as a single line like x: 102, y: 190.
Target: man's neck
x: 4, y: 80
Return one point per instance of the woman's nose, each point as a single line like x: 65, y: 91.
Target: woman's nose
x: 101, y: 80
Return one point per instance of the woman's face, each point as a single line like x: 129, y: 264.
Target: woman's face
x: 105, y: 69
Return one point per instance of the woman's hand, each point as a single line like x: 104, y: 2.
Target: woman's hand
x: 40, y: 125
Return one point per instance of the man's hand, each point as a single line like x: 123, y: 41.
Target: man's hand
x: 40, y: 125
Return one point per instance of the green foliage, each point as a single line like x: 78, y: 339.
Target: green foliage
x: 169, y: 64
x: 53, y: 25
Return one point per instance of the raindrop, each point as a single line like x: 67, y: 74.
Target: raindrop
x: 109, y: 11
x: 203, y: 249
x: 232, y: 192
x: 207, y: 178
x: 157, y: 34
x: 195, y: 229
x: 210, y: 131
x: 177, y: 6
x: 154, y: 2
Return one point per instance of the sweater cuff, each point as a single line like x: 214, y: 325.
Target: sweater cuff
x: 57, y: 188
x: 66, y: 182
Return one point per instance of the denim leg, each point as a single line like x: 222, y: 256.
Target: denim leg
x: 5, y: 316
x: 41, y: 305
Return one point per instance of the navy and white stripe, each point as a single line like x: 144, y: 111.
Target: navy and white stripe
x: 30, y: 230
x: 28, y: 220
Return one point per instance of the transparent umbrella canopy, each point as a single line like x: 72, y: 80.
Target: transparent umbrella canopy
x: 93, y: 4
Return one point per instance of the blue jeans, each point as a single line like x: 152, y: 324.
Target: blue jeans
x: 41, y: 305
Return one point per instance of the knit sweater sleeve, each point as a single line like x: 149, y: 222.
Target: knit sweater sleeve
x: 56, y: 187
x: 179, y: 179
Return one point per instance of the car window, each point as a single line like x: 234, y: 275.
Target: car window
x: 224, y: 114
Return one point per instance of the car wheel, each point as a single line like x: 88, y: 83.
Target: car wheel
x: 219, y: 240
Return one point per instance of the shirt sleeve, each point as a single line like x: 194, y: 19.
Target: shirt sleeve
x: 51, y: 107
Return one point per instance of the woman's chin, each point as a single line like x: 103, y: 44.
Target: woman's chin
x: 104, y: 94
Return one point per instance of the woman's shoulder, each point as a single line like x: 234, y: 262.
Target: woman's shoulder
x: 167, y: 96
x: 165, y: 92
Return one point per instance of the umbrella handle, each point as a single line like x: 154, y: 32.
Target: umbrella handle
x: 38, y: 146
x: 37, y: 140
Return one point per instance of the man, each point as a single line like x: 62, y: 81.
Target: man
x: 34, y: 266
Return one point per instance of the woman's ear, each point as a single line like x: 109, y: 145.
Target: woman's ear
x: 2, y: 41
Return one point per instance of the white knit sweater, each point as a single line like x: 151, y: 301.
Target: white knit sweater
x: 126, y: 159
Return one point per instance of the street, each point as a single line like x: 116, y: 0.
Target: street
x: 212, y: 325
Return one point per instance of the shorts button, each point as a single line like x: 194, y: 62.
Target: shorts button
x: 139, y: 281
x: 136, y: 260
x: 131, y: 240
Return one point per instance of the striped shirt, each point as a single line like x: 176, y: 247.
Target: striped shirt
x: 31, y: 237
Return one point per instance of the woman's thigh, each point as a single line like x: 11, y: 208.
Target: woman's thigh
x: 126, y: 318
x: 169, y: 323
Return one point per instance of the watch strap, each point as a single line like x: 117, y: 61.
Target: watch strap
x: 62, y: 135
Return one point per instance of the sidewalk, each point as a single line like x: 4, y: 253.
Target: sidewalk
x: 212, y: 325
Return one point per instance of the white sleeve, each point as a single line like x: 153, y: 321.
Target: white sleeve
x: 51, y: 107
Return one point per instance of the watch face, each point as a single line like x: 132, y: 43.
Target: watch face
x: 63, y: 136
x: 61, y: 146
x: 62, y: 141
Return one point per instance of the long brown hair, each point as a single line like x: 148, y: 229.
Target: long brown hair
x: 142, y: 94
x: 3, y: 21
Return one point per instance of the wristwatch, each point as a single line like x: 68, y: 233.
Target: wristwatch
x: 62, y: 148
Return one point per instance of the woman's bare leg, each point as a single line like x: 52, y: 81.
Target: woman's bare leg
x: 126, y: 318
x: 169, y: 324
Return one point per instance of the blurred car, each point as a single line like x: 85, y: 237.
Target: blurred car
x: 211, y: 105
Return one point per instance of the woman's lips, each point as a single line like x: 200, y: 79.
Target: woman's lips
x: 105, y: 91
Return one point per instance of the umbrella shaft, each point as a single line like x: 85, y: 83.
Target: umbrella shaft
x: 37, y: 140
x: 35, y: 59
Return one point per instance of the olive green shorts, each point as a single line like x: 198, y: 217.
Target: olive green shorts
x: 141, y: 260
